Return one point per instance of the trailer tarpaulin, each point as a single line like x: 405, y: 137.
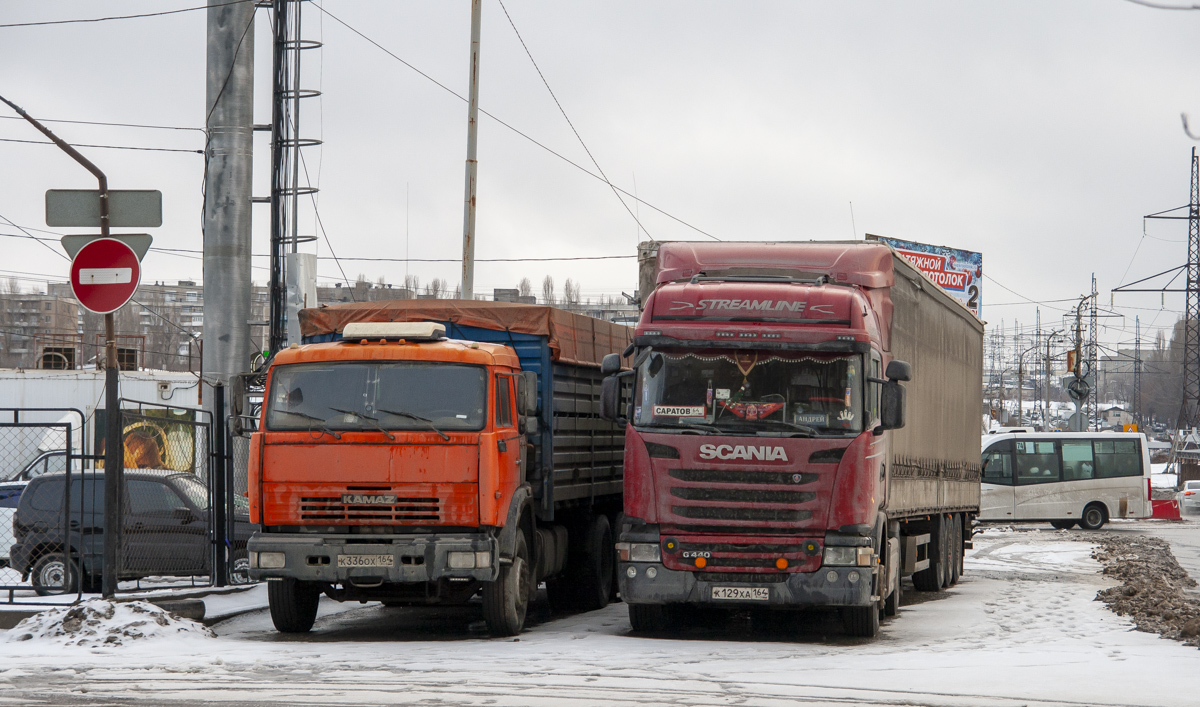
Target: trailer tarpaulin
x: 573, y: 338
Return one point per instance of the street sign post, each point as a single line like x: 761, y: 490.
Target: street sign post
x: 104, y: 275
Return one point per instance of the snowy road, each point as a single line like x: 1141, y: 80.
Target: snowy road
x: 1022, y: 628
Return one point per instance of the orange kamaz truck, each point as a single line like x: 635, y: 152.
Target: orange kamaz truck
x: 426, y: 452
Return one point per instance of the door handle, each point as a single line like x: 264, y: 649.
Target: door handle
x: 74, y: 525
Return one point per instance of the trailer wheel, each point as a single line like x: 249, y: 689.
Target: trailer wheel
x: 1093, y: 517
x: 506, y: 600
x: 932, y: 578
x: 648, y: 618
x: 293, y: 605
x: 599, y: 561
x: 956, y: 549
x: 861, y: 621
x: 1063, y: 524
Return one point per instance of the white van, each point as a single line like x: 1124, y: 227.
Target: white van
x: 1067, y: 478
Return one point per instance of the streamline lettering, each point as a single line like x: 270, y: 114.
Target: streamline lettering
x: 750, y: 305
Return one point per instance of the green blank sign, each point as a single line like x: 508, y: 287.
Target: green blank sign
x: 127, y: 208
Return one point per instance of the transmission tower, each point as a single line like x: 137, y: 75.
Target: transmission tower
x: 1090, y: 353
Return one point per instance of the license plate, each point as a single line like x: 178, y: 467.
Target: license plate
x: 742, y: 593
x: 365, y: 561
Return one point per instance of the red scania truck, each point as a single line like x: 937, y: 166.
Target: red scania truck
x: 803, y: 431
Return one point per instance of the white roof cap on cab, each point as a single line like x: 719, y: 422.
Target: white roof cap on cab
x: 428, y: 331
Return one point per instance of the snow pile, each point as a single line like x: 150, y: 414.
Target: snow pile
x: 1153, y: 590
x: 98, y: 622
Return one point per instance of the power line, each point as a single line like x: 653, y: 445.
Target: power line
x: 85, y: 20
x: 107, y: 125
x: 568, y: 119
x: 559, y: 155
x: 105, y: 147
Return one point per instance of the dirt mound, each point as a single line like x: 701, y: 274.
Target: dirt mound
x: 98, y: 622
x: 1153, y: 590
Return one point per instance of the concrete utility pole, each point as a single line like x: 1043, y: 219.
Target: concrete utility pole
x: 227, y: 190
x: 1046, y: 410
x: 468, y: 264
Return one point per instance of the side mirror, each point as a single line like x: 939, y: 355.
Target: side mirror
x: 527, y: 425
x: 610, y: 399
x: 891, y: 405
x: 527, y: 393
x: 899, y: 371
x: 610, y: 364
x: 183, y: 515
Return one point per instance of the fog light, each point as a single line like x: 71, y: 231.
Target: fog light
x: 483, y: 559
x: 781, y: 563
x: 853, y: 577
x: 272, y: 560
x: 831, y: 576
x: 631, y: 572
x: 460, y: 560
x: 651, y: 572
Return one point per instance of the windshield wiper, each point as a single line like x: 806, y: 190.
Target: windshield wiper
x: 688, y: 426
x: 418, y: 418
x: 320, y: 422
x: 373, y: 420
x: 801, y: 429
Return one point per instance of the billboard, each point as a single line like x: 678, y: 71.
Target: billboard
x: 958, y: 272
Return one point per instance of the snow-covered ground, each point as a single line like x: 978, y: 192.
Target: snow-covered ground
x: 1021, y: 628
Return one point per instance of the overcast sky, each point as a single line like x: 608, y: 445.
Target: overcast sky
x: 1037, y: 132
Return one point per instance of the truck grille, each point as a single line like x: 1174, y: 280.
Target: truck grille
x: 723, y: 476
x: 742, y: 495
x: 758, y: 555
x: 778, y: 515
x: 331, y: 508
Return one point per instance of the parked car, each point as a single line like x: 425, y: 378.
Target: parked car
x: 1189, y: 497
x: 166, y: 529
x: 10, y: 494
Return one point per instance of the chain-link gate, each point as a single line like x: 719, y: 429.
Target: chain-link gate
x: 51, y: 532
x: 184, y: 519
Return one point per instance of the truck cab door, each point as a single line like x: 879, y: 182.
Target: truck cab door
x: 510, y: 443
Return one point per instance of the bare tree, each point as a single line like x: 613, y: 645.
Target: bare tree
x: 436, y: 288
x: 362, y: 281
x: 12, y: 286
x: 571, y: 298
x: 525, y: 288
x: 457, y: 292
x: 548, y: 291
x: 412, y: 283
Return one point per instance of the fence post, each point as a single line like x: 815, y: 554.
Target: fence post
x: 216, y: 474
x: 114, y: 453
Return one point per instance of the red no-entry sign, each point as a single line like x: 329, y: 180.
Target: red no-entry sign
x: 104, y: 275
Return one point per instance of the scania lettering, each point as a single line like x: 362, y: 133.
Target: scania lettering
x: 423, y: 453
x: 830, y: 445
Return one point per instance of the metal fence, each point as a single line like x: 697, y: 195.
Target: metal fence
x: 183, y: 510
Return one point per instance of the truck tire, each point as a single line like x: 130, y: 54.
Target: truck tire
x: 595, y: 578
x: 861, y: 621
x: 956, y: 549
x: 1093, y: 517
x: 648, y: 618
x: 932, y: 578
x: 506, y: 601
x: 891, y: 605
x: 293, y: 605
x: 52, y: 575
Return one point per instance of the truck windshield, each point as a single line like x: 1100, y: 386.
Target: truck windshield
x: 750, y: 392
x: 370, y: 396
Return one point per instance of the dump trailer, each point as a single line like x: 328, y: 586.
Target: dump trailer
x: 421, y: 452
x: 803, y: 431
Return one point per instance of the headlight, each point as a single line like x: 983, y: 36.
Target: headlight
x: 638, y: 552
x: 460, y: 560
x: 271, y: 560
x: 860, y: 556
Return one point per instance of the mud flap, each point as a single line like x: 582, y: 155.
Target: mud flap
x: 508, y: 534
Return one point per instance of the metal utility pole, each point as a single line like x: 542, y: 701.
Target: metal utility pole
x: 1093, y: 401
x: 113, y: 447
x: 1137, y: 372
x: 227, y: 190
x: 1046, y: 410
x: 468, y: 264
x: 290, y: 272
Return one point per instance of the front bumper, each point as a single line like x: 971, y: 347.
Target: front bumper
x: 415, y: 557
x: 799, y: 589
